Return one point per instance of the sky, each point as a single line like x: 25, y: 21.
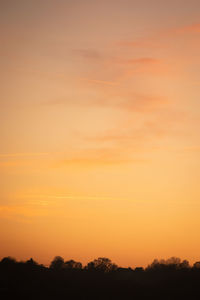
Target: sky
x: 99, y: 130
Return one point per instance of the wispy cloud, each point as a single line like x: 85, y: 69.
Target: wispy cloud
x: 141, y: 103
x: 61, y: 197
x: 137, y: 61
x: 23, y: 154
x: 160, y: 39
x: 101, y: 150
x: 91, y: 54
x: 139, y: 42
x: 126, y: 144
x: 21, y: 213
x: 193, y: 28
x: 9, y: 160
x: 128, y: 101
x: 116, y: 96
x: 192, y: 149
x: 101, y: 161
x: 101, y: 82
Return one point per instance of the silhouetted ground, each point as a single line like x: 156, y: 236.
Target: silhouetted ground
x: 99, y: 280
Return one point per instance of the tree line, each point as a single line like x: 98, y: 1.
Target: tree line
x: 100, y: 279
x: 103, y: 264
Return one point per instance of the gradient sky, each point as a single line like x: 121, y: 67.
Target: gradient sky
x: 100, y: 122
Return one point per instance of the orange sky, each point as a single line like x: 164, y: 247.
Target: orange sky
x: 100, y: 130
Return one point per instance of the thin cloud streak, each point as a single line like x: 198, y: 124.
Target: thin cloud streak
x: 118, y: 98
x: 136, y: 61
x: 89, y: 54
x: 193, y: 28
x: 23, y: 154
x: 102, y: 82
x: 100, y: 157
x: 66, y: 197
x: 159, y: 40
x: 21, y: 212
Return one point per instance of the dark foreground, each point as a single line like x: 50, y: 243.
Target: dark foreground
x: 29, y: 280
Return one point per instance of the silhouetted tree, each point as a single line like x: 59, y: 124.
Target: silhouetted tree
x: 101, y: 264
x: 8, y: 260
x: 172, y: 262
x: 196, y: 265
x: 71, y: 264
x: 184, y: 264
x: 57, y: 263
x: 31, y: 262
